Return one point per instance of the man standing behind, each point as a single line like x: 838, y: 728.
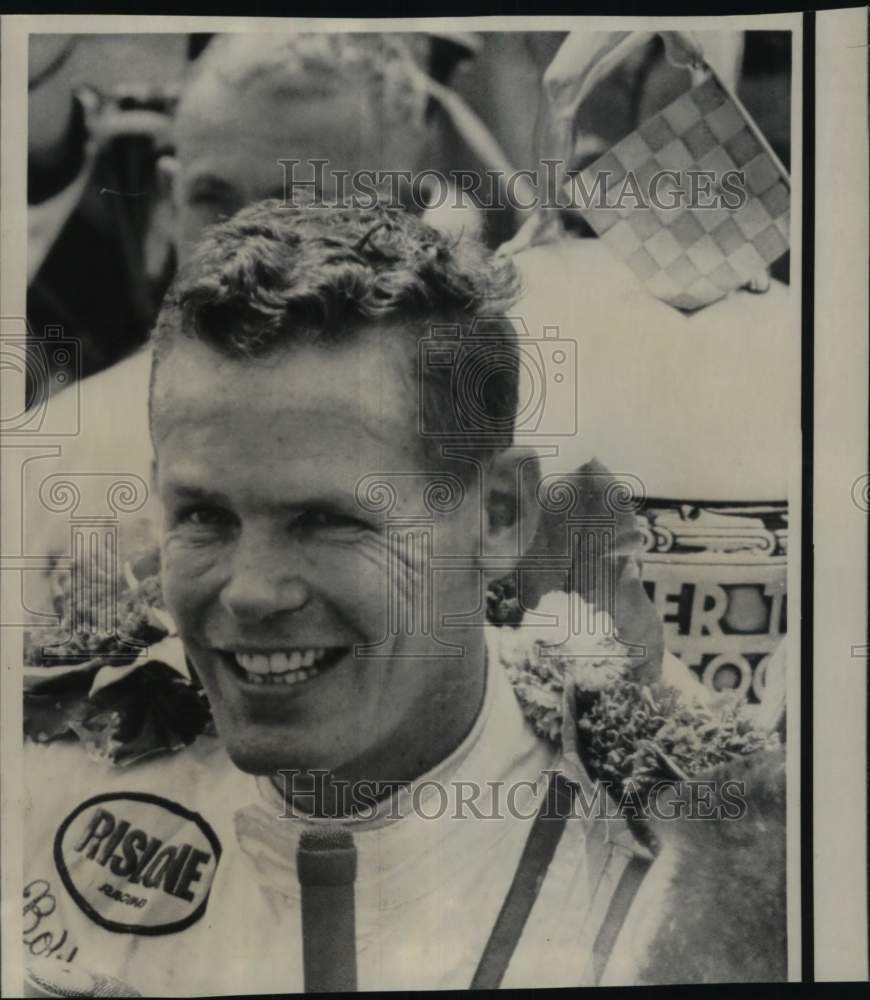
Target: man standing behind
x: 354, y: 101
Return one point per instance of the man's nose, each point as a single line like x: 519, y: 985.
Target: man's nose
x: 265, y: 581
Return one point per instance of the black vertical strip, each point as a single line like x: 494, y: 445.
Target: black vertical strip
x: 807, y: 236
x: 867, y: 593
x: 540, y: 848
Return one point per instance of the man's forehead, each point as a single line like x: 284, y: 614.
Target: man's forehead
x: 280, y: 100
x: 266, y: 117
x: 363, y: 385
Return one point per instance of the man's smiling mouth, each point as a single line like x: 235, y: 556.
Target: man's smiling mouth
x: 287, y: 667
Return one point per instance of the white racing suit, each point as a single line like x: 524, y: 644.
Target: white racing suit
x: 178, y: 876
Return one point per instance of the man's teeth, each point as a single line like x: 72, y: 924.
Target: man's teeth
x: 287, y: 667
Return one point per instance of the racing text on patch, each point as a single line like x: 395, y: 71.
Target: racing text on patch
x: 137, y: 863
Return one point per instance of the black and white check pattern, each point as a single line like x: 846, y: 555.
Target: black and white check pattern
x: 691, y: 256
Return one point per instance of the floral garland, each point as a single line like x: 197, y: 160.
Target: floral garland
x: 627, y: 733
x: 129, y: 694
x: 125, y: 694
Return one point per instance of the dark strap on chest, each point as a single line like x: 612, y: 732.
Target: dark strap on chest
x: 544, y: 837
x: 620, y: 903
x: 540, y: 847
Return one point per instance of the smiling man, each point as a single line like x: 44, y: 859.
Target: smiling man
x: 331, y: 523
x: 302, y: 508
x: 304, y: 502
x: 284, y: 377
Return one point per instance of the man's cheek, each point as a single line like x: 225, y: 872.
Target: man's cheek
x: 458, y: 593
x: 183, y: 556
x: 186, y: 579
x: 380, y: 583
x: 359, y: 588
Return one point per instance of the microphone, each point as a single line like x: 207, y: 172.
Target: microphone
x: 326, y: 866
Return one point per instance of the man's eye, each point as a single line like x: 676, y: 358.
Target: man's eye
x: 206, y: 517
x: 328, y: 521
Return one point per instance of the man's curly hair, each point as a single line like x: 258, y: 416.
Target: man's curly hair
x: 276, y: 275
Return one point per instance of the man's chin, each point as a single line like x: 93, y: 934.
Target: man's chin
x: 252, y: 761
x: 266, y: 757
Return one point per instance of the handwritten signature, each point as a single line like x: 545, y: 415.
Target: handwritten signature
x: 40, y: 903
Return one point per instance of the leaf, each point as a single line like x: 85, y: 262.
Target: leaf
x: 169, y: 651
x: 157, y: 711
x: 48, y: 717
x: 64, y: 677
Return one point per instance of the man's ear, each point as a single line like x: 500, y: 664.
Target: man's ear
x: 511, y: 506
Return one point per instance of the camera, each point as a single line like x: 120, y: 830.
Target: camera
x: 49, y: 362
x: 474, y: 366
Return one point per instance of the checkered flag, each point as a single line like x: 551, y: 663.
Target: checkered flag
x: 690, y: 256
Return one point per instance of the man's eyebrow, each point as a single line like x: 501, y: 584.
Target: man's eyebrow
x: 340, y: 503
x: 183, y: 491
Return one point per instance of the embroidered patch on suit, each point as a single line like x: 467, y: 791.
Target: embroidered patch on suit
x: 137, y: 863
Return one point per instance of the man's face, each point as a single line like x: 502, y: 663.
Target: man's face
x: 230, y: 140
x: 276, y: 572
